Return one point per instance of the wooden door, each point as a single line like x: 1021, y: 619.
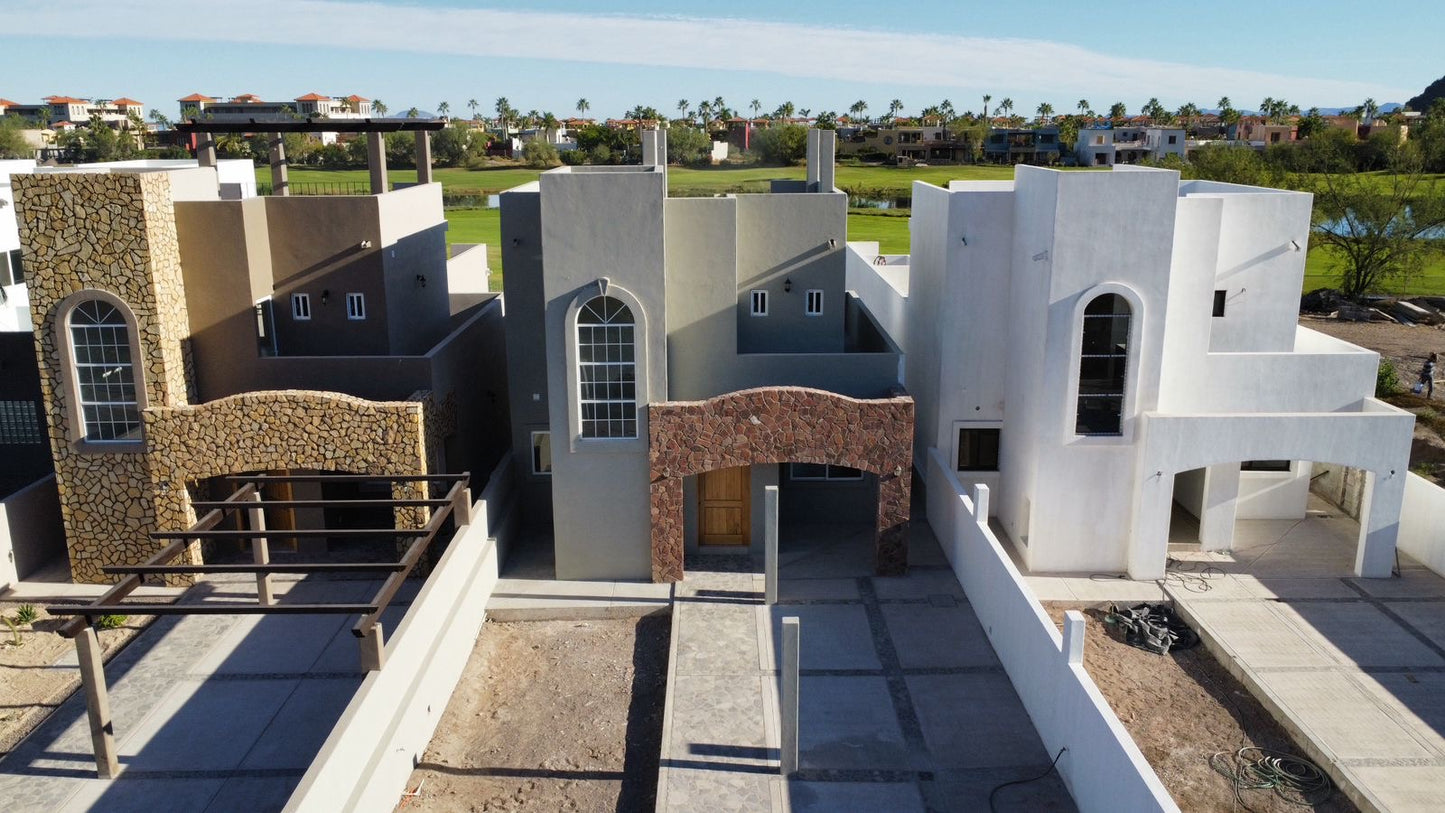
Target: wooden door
x: 723, y: 516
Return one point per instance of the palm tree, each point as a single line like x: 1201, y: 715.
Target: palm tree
x: 893, y: 108
x: 379, y: 107
x: 1045, y: 111
x: 1369, y: 110
x: 785, y: 110
x: 443, y: 109
x: 1083, y: 107
x: 858, y: 108
x: 504, y: 111
x: 472, y: 103
x: 804, y: 112
x: 582, y: 107
x: 1005, y: 106
x: 704, y: 113
x: 413, y: 113
x: 1118, y: 112
x: 160, y: 119
x: 682, y: 106
x: 756, y: 106
x: 986, y: 99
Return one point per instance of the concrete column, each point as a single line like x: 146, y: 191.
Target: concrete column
x: 462, y: 508
x: 1149, y: 537
x: 97, y: 703
x: 980, y: 503
x: 280, y: 169
x: 770, y: 534
x: 789, y: 696
x: 827, y: 147
x: 373, y: 649
x: 1379, y: 524
x: 260, y: 548
x: 1221, y: 503
x: 376, y: 161
x: 206, y: 149
x: 649, y: 147
x: 1074, y: 636
x: 423, y: 156
x: 813, y: 140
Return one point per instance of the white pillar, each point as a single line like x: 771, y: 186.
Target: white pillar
x: 1221, y: 503
x: 980, y: 504
x: 1073, y: 636
x: 1149, y: 536
x: 788, y: 761
x: 770, y: 551
x: 1379, y: 524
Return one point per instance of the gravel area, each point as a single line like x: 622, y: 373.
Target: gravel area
x: 551, y: 716
x: 1181, y: 708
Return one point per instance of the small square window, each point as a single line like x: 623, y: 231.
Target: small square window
x: 300, y: 306
x: 1219, y: 303
x: 815, y: 302
x: 760, y: 303
x: 978, y: 449
x: 542, y: 453
x: 1265, y: 465
x: 1173, y: 139
x: 356, y: 306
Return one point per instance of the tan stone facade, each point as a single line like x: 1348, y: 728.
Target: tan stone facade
x: 113, y: 236
x: 780, y: 425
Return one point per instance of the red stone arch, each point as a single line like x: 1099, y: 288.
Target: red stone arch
x: 780, y: 425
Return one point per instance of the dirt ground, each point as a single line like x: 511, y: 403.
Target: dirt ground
x: 1406, y: 346
x: 1180, y: 709
x: 551, y: 716
x: 30, y: 689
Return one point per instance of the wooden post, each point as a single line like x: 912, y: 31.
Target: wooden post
x: 462, y: 508
x: 373, y: 649
x: 770, y: 535
x: 791, y: 641
x: 97, y: 702
x: 260, y: 548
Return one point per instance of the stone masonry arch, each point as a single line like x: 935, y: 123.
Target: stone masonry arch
x: 770, y: 425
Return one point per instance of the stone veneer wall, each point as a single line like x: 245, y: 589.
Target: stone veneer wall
x: 114, y: 233
x: 780, y: 425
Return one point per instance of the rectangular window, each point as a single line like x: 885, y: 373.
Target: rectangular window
x: 978, y: 449
x: 300, y: 306
x: 820, y: 472
x: 760, y: 303
x: 1173, y: 139
x: 542, y: 453
x: 1219, y: 303
x: 1265, y: 465
x: 19, y: 423
x: 16, y: 272
x: 355, y: 306
x: 815, y: 302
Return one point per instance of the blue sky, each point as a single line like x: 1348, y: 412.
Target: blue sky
x: 820, y: 55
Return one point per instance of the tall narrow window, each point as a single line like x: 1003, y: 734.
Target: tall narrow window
x: 760, y: 303
x: 815, y: 302
x: 355, y: 306
x: 607, y: 369
x: 105, y: 372
x: 1102, y: 366
x: 1219, y: 303
x: 301, y: 306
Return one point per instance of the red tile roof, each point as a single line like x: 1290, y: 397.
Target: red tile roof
x: 64, y: 100
x: 196, y: 97
x: 7, y: 103
x: 354, y: 98
x: 125, y: 102
x: 247, y: 98
x: 313, y: 97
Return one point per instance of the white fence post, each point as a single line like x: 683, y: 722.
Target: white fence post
x: 980, y: 503
x: 789, y: 757
x: 770, y: 534
x: 1074, y: 636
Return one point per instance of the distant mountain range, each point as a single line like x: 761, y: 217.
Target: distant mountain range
x: 1424, y: 100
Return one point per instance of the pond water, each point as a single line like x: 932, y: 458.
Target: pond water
x: 865, y: 202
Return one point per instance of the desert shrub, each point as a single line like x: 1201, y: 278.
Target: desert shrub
x: 1387, y: 379
x: 26, y: 613
x: 110, y: 622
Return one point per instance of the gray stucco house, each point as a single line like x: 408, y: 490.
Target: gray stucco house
x: 669, y: 358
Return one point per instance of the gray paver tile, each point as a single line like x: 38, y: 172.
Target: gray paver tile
x: 303, y: 724
x: 834, y: 636
x: 968, y: 791
x: 1288, y: 588
x: 849, y: 722
x: 1257, y: 634
x: 926, y: 636
x: 691, y: 790
x: 205, y: 726
x: 974, y: 721
x: 1427, y: 617
x: 718, y: 720
x: 1358, y: 633
x: 918, y: 584
x: 250, y: 794
x: 716, y: 639
x: 1344, y: 717
x: 275, y: 644
x: 830, y: 797
x: 1410, y: 584
x: 815, y: 589
x: 1404, y: 789
x: 146, y: 796
x: 1418, y: 699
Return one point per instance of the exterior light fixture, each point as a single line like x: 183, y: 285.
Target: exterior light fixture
x: 325, y: 295
x: 787, y: 286
x: 832, y: 243
x: 1296, y: 245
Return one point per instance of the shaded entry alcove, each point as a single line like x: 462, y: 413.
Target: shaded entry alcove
x: 772, y: 425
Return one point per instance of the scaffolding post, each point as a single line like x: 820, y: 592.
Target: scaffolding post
x: 97, y: 702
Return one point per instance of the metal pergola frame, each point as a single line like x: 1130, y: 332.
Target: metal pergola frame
x: 246, y: 500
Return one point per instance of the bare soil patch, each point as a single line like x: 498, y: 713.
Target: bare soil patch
x: 549, y: 716
x: 1405, y: 346
x: 1181, y: 708
x: 31, y: 686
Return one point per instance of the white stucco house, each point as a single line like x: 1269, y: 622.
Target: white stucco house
x: 1103, y: 349
x: 1107, y: 146
x: 14, y: 305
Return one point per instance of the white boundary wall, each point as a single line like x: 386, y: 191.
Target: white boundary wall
x: 385, y: 730
x: 1103, y: 768
x: 1422, y: 522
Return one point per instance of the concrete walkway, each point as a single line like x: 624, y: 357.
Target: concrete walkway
x: 1353, y: 668
x: 529, y: 591
x: 211, y: 712
x: 903, y: 705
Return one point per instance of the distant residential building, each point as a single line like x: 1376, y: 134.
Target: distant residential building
x: 59, y: 110
x: 1107, y: 146
x: 1011, y: 145
x: 250, y: 106
x: 906, y: 143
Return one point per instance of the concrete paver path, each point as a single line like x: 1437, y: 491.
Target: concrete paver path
x: 903, y: 705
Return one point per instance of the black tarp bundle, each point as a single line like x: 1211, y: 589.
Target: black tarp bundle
x: 1153, y: 627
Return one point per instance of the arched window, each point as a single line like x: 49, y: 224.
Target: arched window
x: 105, y: 374
x: 607, y: 369
x: 1103, y: 362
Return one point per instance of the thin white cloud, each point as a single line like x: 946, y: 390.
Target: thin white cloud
x: 1024, y: 69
